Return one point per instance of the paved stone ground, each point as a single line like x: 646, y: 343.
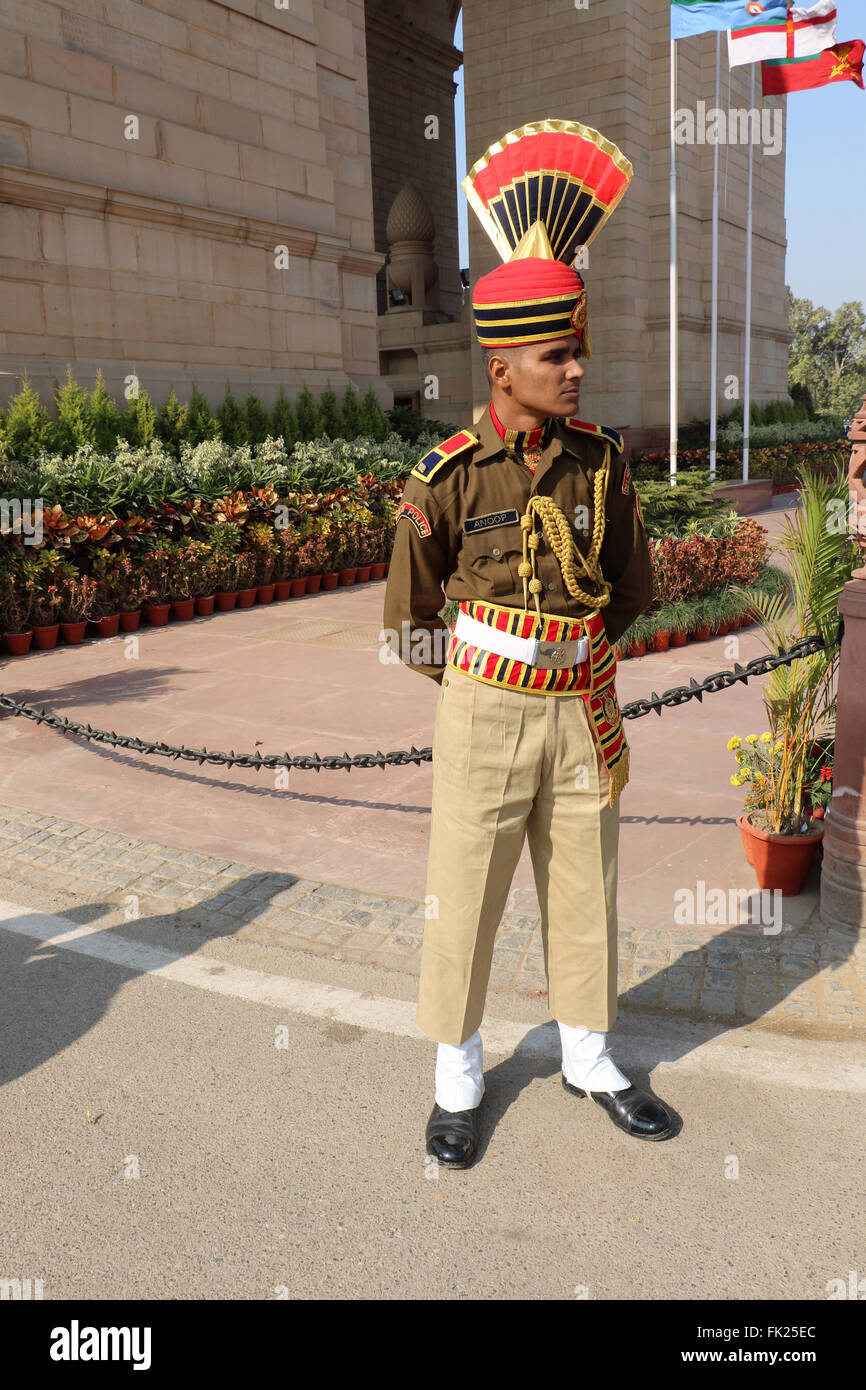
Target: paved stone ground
x: 804, y: 979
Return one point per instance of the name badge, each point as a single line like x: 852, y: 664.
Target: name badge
x: 484, y: 523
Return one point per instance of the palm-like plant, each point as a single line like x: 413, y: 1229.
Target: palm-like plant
x: 800, y: 699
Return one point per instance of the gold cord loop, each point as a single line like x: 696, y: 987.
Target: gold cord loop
x: 558, y: 535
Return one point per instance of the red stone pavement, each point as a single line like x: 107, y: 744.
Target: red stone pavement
x: 306, y: 676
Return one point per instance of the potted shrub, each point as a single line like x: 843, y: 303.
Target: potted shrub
x: 263, y: 546
x: 633, y: 641
x: 285, y: 566
x: 16, y: 603
x: 660, y: 635
x: 246, y: 579
x: 78, y: 593
x: 203, y: 573
x: 130, y: 591
x: 676, y: 616
x: 157, y: 566
x: 800, y: 699
x: 701, y: 629
x: 184, y: 577
x: 45, y: 613
x: 106, y: 569
x: 224, y: 540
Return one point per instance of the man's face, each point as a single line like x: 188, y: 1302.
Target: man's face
x: 543, y: 378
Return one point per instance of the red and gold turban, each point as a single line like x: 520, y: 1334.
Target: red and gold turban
x: 541, y: 194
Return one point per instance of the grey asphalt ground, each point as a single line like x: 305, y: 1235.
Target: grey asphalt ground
x: 299, y: 1170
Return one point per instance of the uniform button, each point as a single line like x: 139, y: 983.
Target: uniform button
x: 551, y: 586
x: 496, y: 550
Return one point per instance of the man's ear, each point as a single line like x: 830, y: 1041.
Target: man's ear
x: 500, y: 369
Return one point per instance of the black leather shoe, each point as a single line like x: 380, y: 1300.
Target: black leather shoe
x: 452, y: 1136
x: 632, y: 1110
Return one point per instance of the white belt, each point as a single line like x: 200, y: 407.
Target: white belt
x: 530, y: 650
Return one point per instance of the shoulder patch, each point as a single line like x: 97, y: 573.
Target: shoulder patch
x: 430, y: 464
x: 416, y: 516
x: 600, y: 431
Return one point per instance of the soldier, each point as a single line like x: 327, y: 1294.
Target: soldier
x: 530, y: 520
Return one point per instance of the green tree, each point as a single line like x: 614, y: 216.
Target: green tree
x: 330, y: 415
x: 73, y: 426
x: 827, y: 356
x: 309, y: 426
x: 257, y: 424
x: 374, y: 421
x: 139, y: 421
x: 351, y: 411
x: 230, y: 420
x: 200, y: 423
x: 106, y: 419
x: 171, y: 421
x: 283, y: 422
x: 28, y: 424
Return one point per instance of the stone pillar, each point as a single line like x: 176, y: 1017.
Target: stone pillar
x: 843, y: 877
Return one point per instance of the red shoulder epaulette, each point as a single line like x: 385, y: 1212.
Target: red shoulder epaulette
x: 600, y: 431
x: 428, y: 465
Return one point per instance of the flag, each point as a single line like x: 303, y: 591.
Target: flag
x: 841, y: 63
x: 807, y: 30
x: 703, y: 16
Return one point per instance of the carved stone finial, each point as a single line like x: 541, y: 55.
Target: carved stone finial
x: 412, y: 269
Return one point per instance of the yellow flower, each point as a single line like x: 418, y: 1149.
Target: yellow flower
x: 766, y: 738
x: 740, y: 755
x: 751, y: 738
x: 734, y: 743
x: 735, y: 780
x: 780, y: 744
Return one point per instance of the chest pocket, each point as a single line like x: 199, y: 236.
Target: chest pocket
x: 493, y: 555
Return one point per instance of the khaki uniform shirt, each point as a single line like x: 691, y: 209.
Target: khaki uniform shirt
x: 463, y: 536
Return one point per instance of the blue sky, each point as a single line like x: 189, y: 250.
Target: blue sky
x: 825, y: 179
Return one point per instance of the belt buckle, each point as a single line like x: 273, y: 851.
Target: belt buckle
x: 556, y: 655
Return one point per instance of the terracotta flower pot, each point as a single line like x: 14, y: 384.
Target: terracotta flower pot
x: 18, y: 642
x: 701, y: 633
x: 314, y: 583
x: 621, y: 653
x: 266, y: 593
x: 377, y: 571
x: 364, y: 573
x: 299, y: 588
x: 183, y: 609
x: 247, y: 597
x: 46, y: 637
x: 387, y: 570
x: 129, y: 621
x: 679, y: 639
x: 780, y: 861
x: 157, y: 613
x: 330, y: 581
x: 722, y: 630
x: 638, y: 648
x: 73, y: 633
x: 107, y: 627
x: 348, y: 576
x: 660, y: 641
x: 225, y: 601
x: 204, y: 605
x: 283, y: 589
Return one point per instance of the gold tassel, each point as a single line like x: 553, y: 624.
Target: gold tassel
x: 618, y: 779
x: 587, y: 342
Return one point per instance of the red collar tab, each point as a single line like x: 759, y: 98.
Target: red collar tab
x: 519, y: 441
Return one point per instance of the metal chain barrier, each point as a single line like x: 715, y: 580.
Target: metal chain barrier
x: 313, y: 762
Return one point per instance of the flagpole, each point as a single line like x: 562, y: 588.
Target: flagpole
x: 714, y: 326
x: 747, y: 365
x: 674, y: 312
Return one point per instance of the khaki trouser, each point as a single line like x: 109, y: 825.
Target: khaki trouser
x: 506, y: 765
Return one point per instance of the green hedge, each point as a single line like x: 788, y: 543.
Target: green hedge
x: 81, y: 418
